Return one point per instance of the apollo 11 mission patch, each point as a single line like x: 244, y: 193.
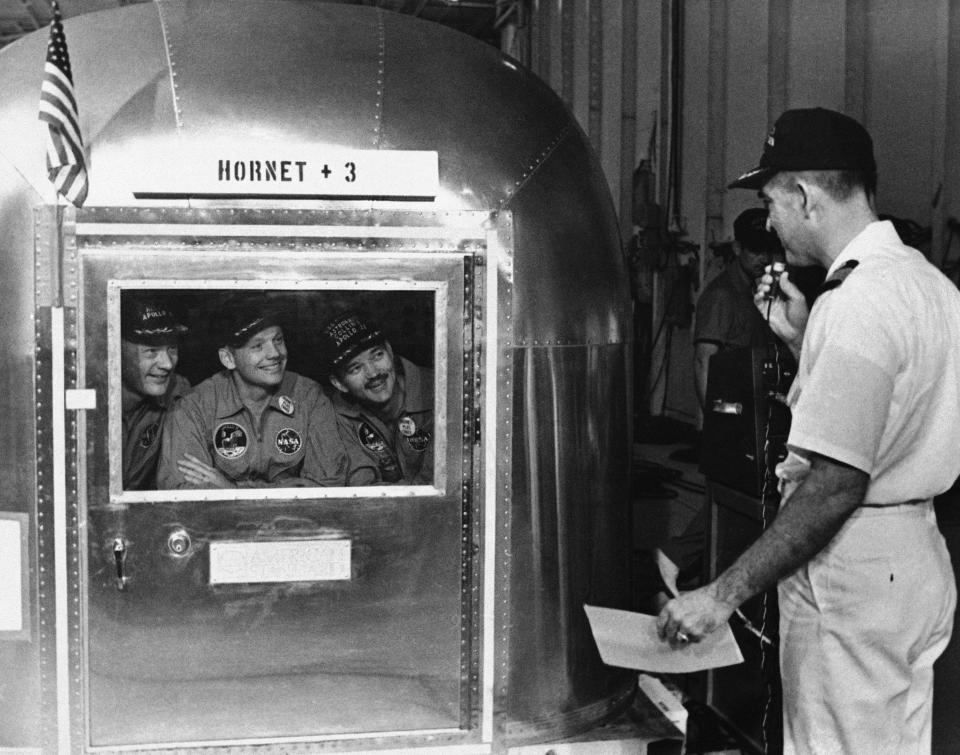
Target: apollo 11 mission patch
x: 230, y: 440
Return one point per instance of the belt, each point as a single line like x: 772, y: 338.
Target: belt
x: 911, y: 502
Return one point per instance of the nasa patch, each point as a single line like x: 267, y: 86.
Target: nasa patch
x: 285, y: 404
x: 230, y: 440
x: 288, y: 441
x: 370, y: 439
x: 149, y: 435
x: 418, y: 441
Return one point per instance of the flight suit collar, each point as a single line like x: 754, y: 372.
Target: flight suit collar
x: 177, y: 390
x: 230, y: 404
x: 419, y: 388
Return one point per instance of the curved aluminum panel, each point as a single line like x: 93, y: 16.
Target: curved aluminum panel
x: 353, y: 76
x: 570, y: 285
x: 569, y: 534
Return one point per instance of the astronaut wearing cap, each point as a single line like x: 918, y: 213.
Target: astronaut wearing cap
x: 149, y: 385
x: 384, y: 404
x: 254, y: 423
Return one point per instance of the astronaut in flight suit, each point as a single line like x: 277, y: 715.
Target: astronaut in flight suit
x: 253, y: 424
x: 384, y: 404
x: 149, y: 351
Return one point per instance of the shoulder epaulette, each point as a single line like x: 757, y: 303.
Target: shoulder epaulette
x: 836, y: 278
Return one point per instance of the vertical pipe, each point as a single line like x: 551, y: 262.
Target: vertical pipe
x: 557, y: 63
x: 946, y: 242
x: 540, y: 39
x: 567, y: 15
x: 945, y: 127
x: 666, y: 93
x: 857, y: 44
x: 628, y: 115
x: 778, y: 59
x: 676, y: 110
x: 515, y: 30
x: 658, y: 352
x: 716, y: 121
x: 595, y: 110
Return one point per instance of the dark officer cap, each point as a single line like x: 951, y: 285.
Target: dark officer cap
x: 812, y: 139
x: 149, y: 321
x: 750, y: 229
x: 245, y: 315
x: 345, y: 336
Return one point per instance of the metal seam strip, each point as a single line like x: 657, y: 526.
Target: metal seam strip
x: 477, y: 491
x: 491, y: 638
x: 45, y: 536
x: 535, y: 165
x: 108, y: 230
x: 467, y: 691
x: 60, y: 532
x: 170, y: 66
x: 381, y: 77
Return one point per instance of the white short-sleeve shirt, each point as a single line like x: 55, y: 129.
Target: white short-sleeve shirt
x: 878, y: 383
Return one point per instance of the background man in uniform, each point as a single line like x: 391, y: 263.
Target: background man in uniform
x: 384, y: 404
x: 149, y: 386
x: 866, y: 592
x: 253, y: 424
x: 726, y: 319
x: 726, y: 315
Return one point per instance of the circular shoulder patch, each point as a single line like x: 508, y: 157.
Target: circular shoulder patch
x: 149, y: 435
x: 370, y: 438
x: 407, y: 426
x: 230, y: 440
x: 288, y: 441
x: 418, y: 441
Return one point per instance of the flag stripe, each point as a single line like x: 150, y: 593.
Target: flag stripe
x: 59, y: 97
x: 56, y: 79
x: 66, y: 122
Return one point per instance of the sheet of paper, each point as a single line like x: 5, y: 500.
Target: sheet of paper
x: 630, y: 640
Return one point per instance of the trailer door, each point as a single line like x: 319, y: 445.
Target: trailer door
x: 279, y: 615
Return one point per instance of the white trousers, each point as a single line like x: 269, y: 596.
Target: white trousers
x: 860, y: 627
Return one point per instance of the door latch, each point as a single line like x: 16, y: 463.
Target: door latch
x: 119, y: 555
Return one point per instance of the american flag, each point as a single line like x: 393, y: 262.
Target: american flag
x: 66, y: 164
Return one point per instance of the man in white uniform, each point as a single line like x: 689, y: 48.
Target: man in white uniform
x: 866, y: 588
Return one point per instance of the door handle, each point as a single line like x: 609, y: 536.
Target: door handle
x: 119, y: 555
x: 727, y: 407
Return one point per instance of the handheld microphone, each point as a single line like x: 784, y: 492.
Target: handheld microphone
x: 775, y: 270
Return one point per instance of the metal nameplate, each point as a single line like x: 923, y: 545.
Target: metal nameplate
x: 238, y: 562
x: 257, y: 170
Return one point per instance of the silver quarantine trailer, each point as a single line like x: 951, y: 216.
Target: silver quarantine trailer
x: 326, y: 156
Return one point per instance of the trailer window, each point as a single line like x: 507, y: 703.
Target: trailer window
x: 262, y: 389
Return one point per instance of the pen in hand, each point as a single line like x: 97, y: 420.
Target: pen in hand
x: 747, y: 624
